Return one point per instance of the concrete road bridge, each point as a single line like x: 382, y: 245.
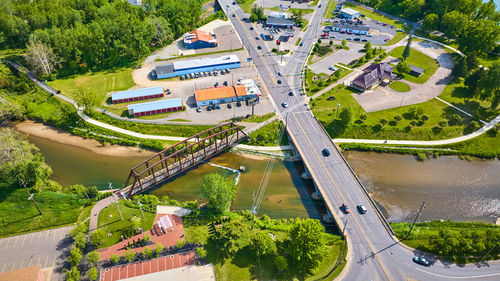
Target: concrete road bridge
x: 374, y: 252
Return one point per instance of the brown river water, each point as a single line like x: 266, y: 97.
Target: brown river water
x: 451, y: 188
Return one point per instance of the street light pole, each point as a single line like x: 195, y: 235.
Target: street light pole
x: 116, y: 202
x: 31, y: 197
x: 338, y: 108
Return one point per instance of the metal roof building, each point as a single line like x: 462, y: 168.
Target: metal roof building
x: 281, y: 22
x: 356, y: 29
x: 135, y: 95
x: 155, y: 107
x: 184, y: 67
x: 350, y: 13
x: 416, y: 71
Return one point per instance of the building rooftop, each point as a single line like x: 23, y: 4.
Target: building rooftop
x: 349, y: 11
x: 350, y: 26
x: 25, y: 274
x: 278, y: 21
x: 155, y: 105
x: 136, y: 93
x: 416, y: 69
x: 251, y: 87
x: 198, y: 35
x: 220, y: 93
x: 162, y: 69
x: 374, y: 74
x: 194, y: 63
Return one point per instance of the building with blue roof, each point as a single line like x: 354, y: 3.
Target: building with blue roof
x: 155, y: 107
x: 179, y: 68
x: 139, y: 94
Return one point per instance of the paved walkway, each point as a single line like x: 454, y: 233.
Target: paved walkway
x: 94, y: 213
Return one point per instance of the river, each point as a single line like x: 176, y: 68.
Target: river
x: 451, y: 188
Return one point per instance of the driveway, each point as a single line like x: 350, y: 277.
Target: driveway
x: 48, y: 249
x: 383, y: 97
x: 341, y: 56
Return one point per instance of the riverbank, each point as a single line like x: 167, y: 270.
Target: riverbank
x: 50, y: 133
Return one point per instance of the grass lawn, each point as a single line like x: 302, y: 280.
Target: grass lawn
x: 325, y: 111
x: 246, y: 5
x: 117, y: 227
x: 374, y: 16
x: 292, y: 10
x: 268, y: 135
x: 396, y: 38
x: 153, y: 129
x: 255, y: 118
x: 100, y: 82
x: 488, y: 144
x: 457, y: 94
x: 419, y: 59
x: 424, y: 233
x: 313, y: 87
x: 19, y: 215
x: 329, y: 9
x: 400, y: 86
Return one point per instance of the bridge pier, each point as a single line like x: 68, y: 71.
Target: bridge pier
x: 306, y: 175
x: 316, y: 195
x: 328, y: 217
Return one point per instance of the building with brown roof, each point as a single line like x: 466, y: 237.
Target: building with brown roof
x: 373, y: 75
x: 25, y: 274
x: 218, y: 95
x: 198, y: 39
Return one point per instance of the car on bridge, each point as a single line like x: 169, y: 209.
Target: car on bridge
x: 285, y: 105
x: 362, y: 209
x: 290, y: 93
x: 259, y: 47
x: 421, y: 261
x: 325, y: 152
x: 346, y: 208
x: 279, y: 81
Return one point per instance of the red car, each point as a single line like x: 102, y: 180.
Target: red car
x: 346, y: 208
x: 386, y: 39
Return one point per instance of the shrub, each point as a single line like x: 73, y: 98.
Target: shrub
x: 421, y: 156
x: 420, y: 123
x: 443, y: 123
x: 454, y: 119
x: 92, y: 273
x: 80, y: 240
x: 398, y: 118
x: 280, y: 263
x: 73, y: 274
x: 437, y: 129
x: 393, y: 123
x: 115, y: 259
x: 383, y: 121
x: 424, y: 117
x: 158, y: 249
x: 472, y: 127
x: 201, y: 252
x: 129, y: 255
x: 179, y: 244
x: 93, y: 257
x: 147, y: 253
x: 97, y: 237
x: 363, y: 117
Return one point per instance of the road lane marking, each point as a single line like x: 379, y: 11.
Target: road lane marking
x: 339, y: 193
x: 459, y: 277
x: 15, y: 242
x: 22, y: 262
x: 46, y: 259
x: 3, y: 267
x: 24, y: 240
x: 7, y: 245
x: 38, y: 263
x: 54, y: 261
x: 31, y: 240
x: 12, y: 268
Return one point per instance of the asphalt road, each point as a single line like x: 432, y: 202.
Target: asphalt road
x: 373, y: 252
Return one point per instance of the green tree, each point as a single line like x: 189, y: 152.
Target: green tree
x: 489, y: 85
x: 479, y: 36
x: 262, y: 244
x: 403, y: 67
x: 298, y: 17
x: 93, y: 257
x: 80, y: 240
x: 219, y: 190
x: 179, y: 244
x: 75, y: 257
x: 344, y: 43
x: 461, y: 68
x: 257, y: 13
x: 115, y: 259
x: 93, y: 273
x: 232, y: 237
x: 307, y: 245
x: 368, y: 46
x: 472, y: 80
x: 87, y: 99
x: 129, y: 255
x: 280, y: 263
x: 73, y: 274
x: 97, y: 237
x: 453, y: 24
x: 201, y: 252
x: 383, y: 121
x: 431, y: 22
x: 345, y: 116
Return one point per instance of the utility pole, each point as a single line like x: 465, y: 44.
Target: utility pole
x: 140, y: 207
x: 416, y: 218
x: 338, y: 108
x: 116, y: 202
x: 31, y: 197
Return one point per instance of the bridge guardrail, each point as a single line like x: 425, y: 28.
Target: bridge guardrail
x: 374, y: 205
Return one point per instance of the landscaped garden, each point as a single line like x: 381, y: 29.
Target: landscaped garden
x: 418, y: 59
x: 400, y: 86
x: 317, y: 82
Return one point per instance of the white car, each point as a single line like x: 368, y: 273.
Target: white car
x: 332, y: 68
x: 285, y: 105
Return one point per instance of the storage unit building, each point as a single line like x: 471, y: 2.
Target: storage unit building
x: 349, y: 13
x: 155, y: 107
x: 179, y: 68
x: 136, y: 95
x: 198, y: 39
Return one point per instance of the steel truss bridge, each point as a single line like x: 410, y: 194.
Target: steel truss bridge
x: 181, y: 157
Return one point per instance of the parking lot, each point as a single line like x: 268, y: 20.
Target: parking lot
x: 340, y: 56
x: 48, y: 249
x: 379, y: 33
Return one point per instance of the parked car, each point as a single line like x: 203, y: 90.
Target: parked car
x: 229, y: 105
x: 259, y: 47
x: 279, y: 73
x: 285, y: 105
x: 357, y: 39
x: 364, y: 40
x: 209, y: 108
x: 362, y: 209
x: 421, y: 261
x: 346, y: 208
x: 251, y: 27
x: 332, y: 68
x: 256, y: 37
x: 198, y: 109
x: 290, y: 93
x: 182, y: 77
x: 301, y: 44
x: 399, y: 30
x: 217, y: 106
x: 228, y: 71
x: 216, y: 73
x: 225, y: 83
x: 325, y: 152
x: 369, y: 35
x: 238, y: 103
x: 279, y: 81
x: 234, y: 15
x: 331, y: 98
x: 348, y: 38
